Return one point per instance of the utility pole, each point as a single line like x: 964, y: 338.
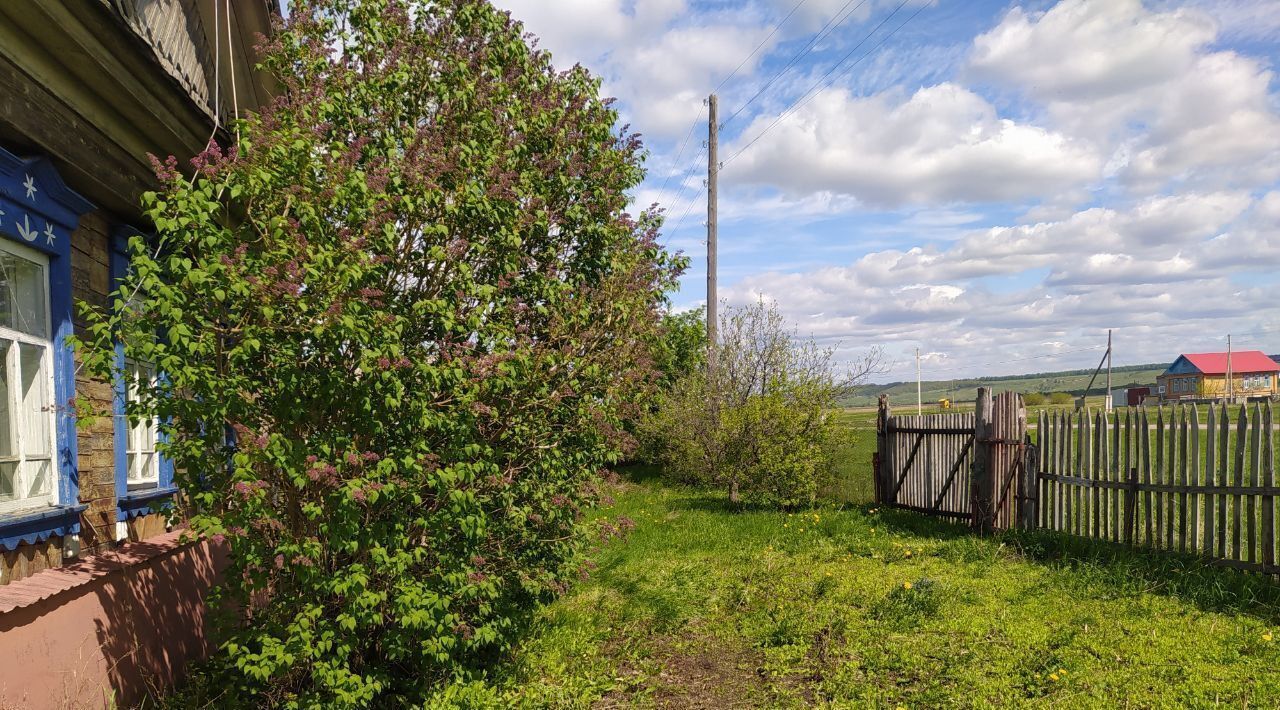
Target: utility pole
x: 1108, y: 400
x: 713, y: 170
x: 919, y: 404
x: 1230, y: 384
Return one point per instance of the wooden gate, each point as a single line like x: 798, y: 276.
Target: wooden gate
x: 924, y: 462
x: 952, y: 465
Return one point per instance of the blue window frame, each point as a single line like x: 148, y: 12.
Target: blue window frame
x: 144, y: 478
x: 38, y: 213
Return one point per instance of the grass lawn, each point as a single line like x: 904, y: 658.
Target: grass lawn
x: 703, y: 606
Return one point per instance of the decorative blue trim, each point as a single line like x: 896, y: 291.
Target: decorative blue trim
x: 38, y: 210
x: 28, y: 528
x: 145, y: 502
x: 118, y: 263
x: 142, y: 502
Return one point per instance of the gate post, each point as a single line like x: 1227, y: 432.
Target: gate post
x: 983, y: 486
x: 879, y: 462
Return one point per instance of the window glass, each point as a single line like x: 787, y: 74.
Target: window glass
x: 8, y: 481
x: 22, y: 305
x: 27, y: 468
x: 35, y: 399
x: 143, y: 465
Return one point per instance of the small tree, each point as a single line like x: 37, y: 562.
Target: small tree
x: 682, y: 348
x: 756, y: 420
x: 402, y: 324
x: 1033, y: 399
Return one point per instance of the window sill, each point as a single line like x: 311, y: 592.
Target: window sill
x: 31, y: 526
x: 144, y: 501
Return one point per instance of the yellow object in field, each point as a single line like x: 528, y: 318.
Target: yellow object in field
x: 944, y: 403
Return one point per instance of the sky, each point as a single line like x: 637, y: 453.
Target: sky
x: 994, y: 183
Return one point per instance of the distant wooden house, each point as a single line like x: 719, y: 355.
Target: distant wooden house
x: 1204, y: 375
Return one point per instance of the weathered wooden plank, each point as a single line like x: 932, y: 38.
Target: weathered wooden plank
x: 1144, y: 462
x: 1255, y: 464
x: 1059, y: 492
x: 1082, y: 461
x: 1210, y: 465
x: 1116, y: 474
x: 1184, y: 450
x: 1044, y: 440
x: 1224, y: 475
x: 1194, y: 468
x: 1159, y: 475
x: 1068, y: 461
x: 1170, y: 477
x: 1131, y: 472
x: 1237, y: 473
x: 1098, y: 473
x: 1268, y: 482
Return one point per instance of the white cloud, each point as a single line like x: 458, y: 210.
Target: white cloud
x: 1099, y: 268
x: 1143, y: 84
x: 943, y: 143
x: 1086, y: 49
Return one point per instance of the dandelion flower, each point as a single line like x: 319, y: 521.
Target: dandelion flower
x: 907, y: 553
x: 1266, y: 636
x: 906, y: 585
x: 1062, y: 671
x: 873, y: 530
x: 1053, y: 677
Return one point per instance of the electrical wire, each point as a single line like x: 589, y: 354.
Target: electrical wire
x: 812, y: 92
x: 819, y: 36
x: 758, y: 46
x: 687, y: 209
x: 679, y: 154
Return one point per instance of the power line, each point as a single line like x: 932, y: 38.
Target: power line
x: 798, y: 56
x: 808, y: 95
x: 1016, y: 360
x: 680, y: 153
x: 692, y: 202
x: 697, y: 120
x: 758, y: 46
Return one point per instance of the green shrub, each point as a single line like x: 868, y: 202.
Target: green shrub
x: 758, y: 422
x: 1060, y: 398
x: 404, y: 322
x: 1033, y: 399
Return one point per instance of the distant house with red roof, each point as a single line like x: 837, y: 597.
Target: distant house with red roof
x: 1200, y: 375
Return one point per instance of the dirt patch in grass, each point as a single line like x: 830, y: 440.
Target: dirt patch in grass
x: 696, y: 671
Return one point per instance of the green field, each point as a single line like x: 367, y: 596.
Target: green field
x: 703, y: 606
x: 902, y: 394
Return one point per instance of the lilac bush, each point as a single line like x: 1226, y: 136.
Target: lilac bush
x: 403, y: 322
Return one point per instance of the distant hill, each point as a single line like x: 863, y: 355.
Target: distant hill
x: 1070, y: 381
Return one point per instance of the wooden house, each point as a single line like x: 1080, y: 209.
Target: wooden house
x: 1204, y: 376
x: 100, y: 599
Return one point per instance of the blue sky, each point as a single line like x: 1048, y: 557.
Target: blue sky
x: 995, y: 183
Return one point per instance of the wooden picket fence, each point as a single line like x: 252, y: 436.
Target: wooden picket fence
x: 1157, y: 478
x: 965, y: 466
x: 1163, y: 479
